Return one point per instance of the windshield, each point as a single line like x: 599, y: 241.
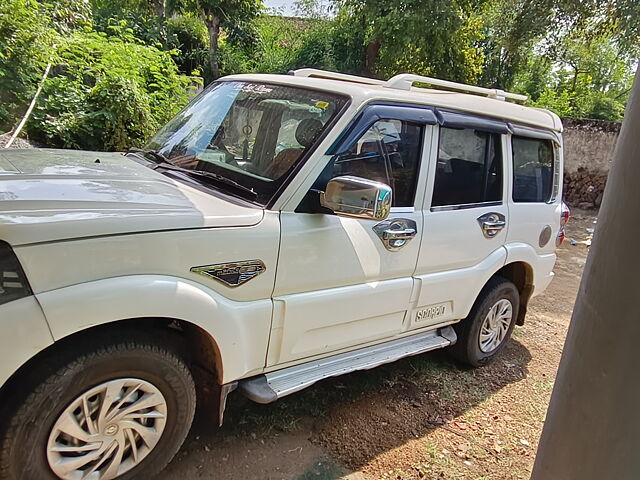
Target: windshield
x: 250, y: 133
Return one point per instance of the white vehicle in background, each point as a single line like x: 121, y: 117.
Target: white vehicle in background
x: 280, y: 230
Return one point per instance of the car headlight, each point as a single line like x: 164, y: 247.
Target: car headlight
x: 13, y: 282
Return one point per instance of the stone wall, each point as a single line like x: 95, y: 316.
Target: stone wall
x: 588, y: 153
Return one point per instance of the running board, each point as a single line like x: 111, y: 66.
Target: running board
x: 274, y: 385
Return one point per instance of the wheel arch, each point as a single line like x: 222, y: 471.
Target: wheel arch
x: 191, y: 342
x: 239, y: 330
x: 521, y: 274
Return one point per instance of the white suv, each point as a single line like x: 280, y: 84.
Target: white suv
x: 280, y: 230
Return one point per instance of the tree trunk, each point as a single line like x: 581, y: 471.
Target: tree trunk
x: 574, y: 83
x: 371, y: 55
x: 591, y: 430
x: 159, y: 8
x: 213, y: 27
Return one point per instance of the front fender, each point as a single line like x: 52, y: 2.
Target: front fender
x: 24, y: 333
x: 240, y: 329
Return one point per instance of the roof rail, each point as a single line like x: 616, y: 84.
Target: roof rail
x: 405, y: 81
x: 316, y: 73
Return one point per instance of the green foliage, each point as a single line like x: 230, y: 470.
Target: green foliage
x: 318, y: 49
x: 626, y: 26
x: 107, y: 93
x: 425, y: 36
x: 67, y: 15
x: 25, y: 39
x: 128, y: 18
x: 120, y: 114
x: 281, y: 41
x: 188, y: 36
x: 284, y: 43
x: 591, y: 79
x: 121, y: 67
x: 234, y: 16
x: 558, y: 101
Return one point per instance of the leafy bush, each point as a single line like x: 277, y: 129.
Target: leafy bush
x: 119, y: 115
x: 25, y: 40
x: 106, y: 93
x: 187, y: 34
x: 67, y: 15
x: 318, y: 48
x: 128, y: 18
x: 604, y: 107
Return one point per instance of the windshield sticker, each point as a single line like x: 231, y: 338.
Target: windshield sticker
x: 322, y: 105
x: 253, y: 88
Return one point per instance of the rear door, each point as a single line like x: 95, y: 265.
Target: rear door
x: 465, y: 217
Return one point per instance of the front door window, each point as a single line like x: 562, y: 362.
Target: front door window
x: 389, y: 152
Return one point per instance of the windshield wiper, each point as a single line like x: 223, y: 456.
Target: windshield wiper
x: 157, y: 156
x: 163, y: 162
x: 208, y: 176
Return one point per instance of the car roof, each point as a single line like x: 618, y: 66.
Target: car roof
x: 361, y: 93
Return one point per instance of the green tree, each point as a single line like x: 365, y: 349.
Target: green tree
x: 424, y: 36
x: 26, y: 41
x: 235, y: 16
x: 590, y: 78
x: 515, y: 31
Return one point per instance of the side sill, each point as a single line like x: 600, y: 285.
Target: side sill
x: 269, y: 387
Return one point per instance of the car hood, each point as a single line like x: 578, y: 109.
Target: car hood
x: 48, y: 195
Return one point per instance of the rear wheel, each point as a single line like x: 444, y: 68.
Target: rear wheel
x: 119, y: 411
x: 485, y: 332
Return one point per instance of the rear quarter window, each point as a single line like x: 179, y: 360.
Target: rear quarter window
x: 533, y: 167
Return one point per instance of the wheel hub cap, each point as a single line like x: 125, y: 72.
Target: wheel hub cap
x: 107, y: 430
x: 495, y: 326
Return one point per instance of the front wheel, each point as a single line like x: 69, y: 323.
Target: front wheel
x: 485, y: 332
x: 118, y: 411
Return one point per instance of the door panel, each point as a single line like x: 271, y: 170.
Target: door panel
x: 455, y: 262
x: 338, y: 284
x: 325, y: 320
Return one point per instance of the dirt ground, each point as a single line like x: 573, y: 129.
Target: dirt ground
x: 419, y: 418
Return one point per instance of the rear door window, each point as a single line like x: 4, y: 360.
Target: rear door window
x: 469, y: 169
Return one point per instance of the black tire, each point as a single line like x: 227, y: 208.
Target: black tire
x: 467, y: 349
x: 23, y: 441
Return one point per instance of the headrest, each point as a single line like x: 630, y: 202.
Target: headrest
x: 307, y: 131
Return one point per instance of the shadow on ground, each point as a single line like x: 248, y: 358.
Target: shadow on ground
x: 340, y: 425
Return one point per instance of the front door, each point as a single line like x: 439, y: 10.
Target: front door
x: 340, y: 281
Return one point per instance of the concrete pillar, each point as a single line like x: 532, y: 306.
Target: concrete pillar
x: 592, y: 430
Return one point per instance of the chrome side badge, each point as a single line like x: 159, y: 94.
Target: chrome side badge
x: 232, y: 274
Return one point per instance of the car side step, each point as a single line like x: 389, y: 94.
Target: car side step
x: 274, y: 385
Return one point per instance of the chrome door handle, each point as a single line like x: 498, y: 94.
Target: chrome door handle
x: 492, y: 223
x: 396, y: 233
